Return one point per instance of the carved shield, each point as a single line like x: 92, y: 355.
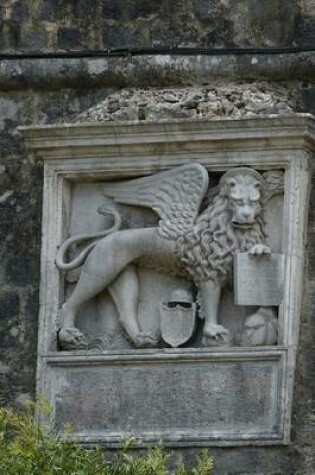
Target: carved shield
x: 177, y: 323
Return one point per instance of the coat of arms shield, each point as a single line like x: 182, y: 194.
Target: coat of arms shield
x: 178, y: 318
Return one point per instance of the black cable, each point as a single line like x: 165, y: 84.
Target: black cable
x: 164, y: 50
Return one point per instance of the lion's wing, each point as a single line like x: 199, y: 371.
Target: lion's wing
x: 175, y: 195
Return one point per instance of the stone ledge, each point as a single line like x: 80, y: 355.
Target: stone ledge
x: 152, y: 71
x: 73, y: 141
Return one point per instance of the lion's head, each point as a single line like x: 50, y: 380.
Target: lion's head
x: 243, y: 189
x: 232, y: 222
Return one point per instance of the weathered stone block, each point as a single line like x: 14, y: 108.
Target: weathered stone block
x: 84, y: 10
x: 9, y: 303
x: 120, y: 10
x: 306, y: 31
x: 117, y: 36
x: 272, y: 22
x: 21, y: 11
x: 308, y: 94
x: 22, y: 271
x: 50, y: 10
x: 10, y: 32
x: 204, y: 9
x: 69, y: 38
x: 145, y: 8
x: 34, y: 39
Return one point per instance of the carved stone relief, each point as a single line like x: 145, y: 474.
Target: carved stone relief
x: 180, y: 268
x: 172, y: 270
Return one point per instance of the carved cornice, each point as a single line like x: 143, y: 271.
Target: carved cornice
x: 91, y: 140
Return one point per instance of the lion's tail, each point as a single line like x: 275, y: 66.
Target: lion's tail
x: 80, y: 258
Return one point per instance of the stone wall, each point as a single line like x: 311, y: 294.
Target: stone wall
x: 49, y: 25
x: 44, y: 91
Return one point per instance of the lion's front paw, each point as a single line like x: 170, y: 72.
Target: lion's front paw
x: 70, y: 338
x: 259, y: 250
x: 215, y: 335
x: 146, y: 340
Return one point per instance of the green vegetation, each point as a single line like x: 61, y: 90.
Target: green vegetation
x: 25, y: 449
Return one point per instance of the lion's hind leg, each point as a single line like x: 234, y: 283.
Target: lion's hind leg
x: 69, y: 337
x: 124, y: 291
x: 104, y: 264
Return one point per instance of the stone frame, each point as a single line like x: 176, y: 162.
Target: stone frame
x: 96, y: 151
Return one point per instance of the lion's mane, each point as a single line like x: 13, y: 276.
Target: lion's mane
x: 207, y: 250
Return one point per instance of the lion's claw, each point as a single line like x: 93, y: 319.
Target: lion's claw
x: 146, y: 340
x: 259, y: 250
x: 70, y: 338
x: 215, y: 335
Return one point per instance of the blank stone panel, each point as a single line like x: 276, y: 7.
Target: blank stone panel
x: 178, y: 399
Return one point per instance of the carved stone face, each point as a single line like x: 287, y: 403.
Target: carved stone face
x: 244, y: 204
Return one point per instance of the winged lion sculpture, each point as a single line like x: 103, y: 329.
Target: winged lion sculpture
x: 198, y: 245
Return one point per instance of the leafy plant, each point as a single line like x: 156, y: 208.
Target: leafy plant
x: 25, y: 449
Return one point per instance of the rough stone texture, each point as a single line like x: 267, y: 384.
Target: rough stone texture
x: 19, y: 274
x: 20, y: 233
x: 65, y: 24
x: 224, y: 100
